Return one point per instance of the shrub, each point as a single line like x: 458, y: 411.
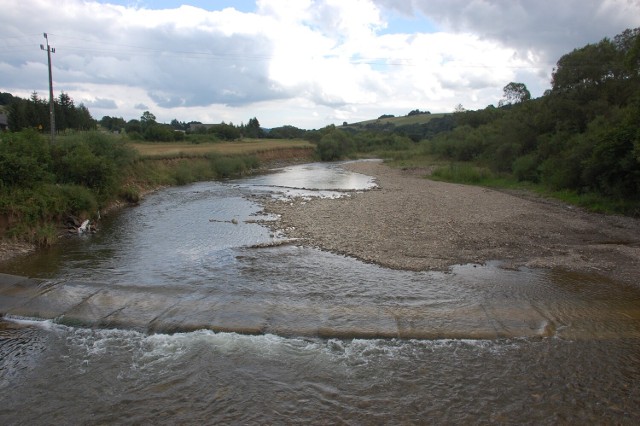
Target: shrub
x: 335, y: 145
x: 525, y: 168
x: 78, y: 199
x: 25, y: 159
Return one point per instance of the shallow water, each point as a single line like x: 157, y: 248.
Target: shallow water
x: 573, y: 355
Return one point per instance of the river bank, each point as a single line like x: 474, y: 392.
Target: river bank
x: 413, y: 223
x: 148, y: 183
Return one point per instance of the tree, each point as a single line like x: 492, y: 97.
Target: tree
x: 514, y: 93
x: 113, y: 124
x: 147, y: 119
x: 65, y: 112
x: 6, y: 98
x: 34, y: 113
x: 178, y: 125
x: 587, y: 67
x: 226, y: 132
x: 133, y: 126
x: 628, y: 43
x: 253, y: 129
x: 286, y: 132
x: 83, y: 119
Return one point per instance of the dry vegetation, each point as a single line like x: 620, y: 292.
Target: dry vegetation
x: 244, y: 147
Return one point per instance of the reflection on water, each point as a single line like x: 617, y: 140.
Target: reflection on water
x: 315, y: 176
x: 181, y: 248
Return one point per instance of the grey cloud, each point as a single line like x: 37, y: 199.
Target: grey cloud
x: 203, y: 69
x: 175, y: 66
x: 141, y: 107
x: 548, y: 28
x: 101, y: 103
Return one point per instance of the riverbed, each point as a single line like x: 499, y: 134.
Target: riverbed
x: 320, y: 337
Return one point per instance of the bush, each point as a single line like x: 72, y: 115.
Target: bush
x: 25, y: 159
x: 160, y: 133
x: 335, y: 145
x: 78, y: 199
x: 525, y: 168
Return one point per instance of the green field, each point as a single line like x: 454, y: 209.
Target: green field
x: 402, y: 121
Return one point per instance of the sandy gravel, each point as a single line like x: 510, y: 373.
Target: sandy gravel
x: 413, y: 223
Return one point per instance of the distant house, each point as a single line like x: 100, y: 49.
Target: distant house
x: 4, y: 121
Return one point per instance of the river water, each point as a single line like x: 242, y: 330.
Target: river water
x: 565, y: 346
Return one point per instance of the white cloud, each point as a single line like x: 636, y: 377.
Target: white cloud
x: 101, y: 103
x: 303, y: 62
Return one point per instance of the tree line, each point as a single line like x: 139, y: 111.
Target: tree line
x: 33, y: 113
x: 583, y: 135
x: 147, y: 128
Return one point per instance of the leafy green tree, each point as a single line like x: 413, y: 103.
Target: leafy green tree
x: 113, y: 123
x: 178, y: 125
x: 133, y: 126
x: 6, y: 98
x: 515, y: 93
x: 588, y: 66
x: 147, y: 119
x: 287, y: 132
x: 225, y: 132
x: 83, y: 119
x: 253, y: 129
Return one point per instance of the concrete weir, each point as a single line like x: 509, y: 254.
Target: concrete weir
x: 171, y: 310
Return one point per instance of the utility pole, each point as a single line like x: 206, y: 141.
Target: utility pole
x: 52, y: 113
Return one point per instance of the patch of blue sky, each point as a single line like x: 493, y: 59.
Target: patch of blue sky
x: 211, y: 5
x: 376, y: 64
x: 402, y: 24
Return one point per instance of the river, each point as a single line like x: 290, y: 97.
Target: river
x: 216, y: 319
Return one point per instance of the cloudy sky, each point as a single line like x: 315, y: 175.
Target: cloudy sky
x: 308, y: 63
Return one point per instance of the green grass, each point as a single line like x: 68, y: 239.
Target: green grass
x: 594, y: 202
x: 462, y: 173
x: 402, y: 121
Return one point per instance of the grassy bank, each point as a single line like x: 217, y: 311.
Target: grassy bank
x: 245, y: 147
x: 436, y: 167
x: 43, y: 186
